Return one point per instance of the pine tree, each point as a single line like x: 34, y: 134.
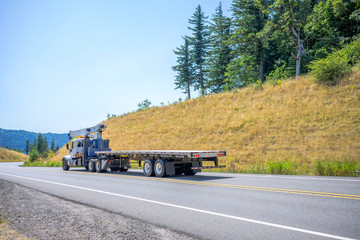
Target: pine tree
x: 40, y: 143
x: 248, y: 42
x: 185, y: 69
x: 52, y: 146
x: 220, y: 51
x: 200, y: 42
x: 289, y: 16
x: 27, y: 147
x: 45, y: 148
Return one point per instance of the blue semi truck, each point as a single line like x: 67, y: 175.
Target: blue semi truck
x: 88, y: 149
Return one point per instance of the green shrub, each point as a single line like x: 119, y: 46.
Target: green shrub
x: 34, y: 155
x: 337, y: 168
x: 281, y: 71
x: 283, y: 167
x: 331, y: 69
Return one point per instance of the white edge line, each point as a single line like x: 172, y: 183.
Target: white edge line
x: 190, y: 209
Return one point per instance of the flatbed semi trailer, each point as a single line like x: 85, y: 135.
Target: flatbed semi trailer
x: 94, y: 154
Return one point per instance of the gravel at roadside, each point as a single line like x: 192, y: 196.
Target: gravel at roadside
x: 42, y: 216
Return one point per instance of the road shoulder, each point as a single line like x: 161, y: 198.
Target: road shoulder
x: 41, y: 216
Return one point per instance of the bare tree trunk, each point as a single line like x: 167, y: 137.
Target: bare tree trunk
x: 298, y: 60
x: 261, y: 64
x: 261, y: 53
x: 188, y: 89
x: 202, y: 80
x: 299, y: 48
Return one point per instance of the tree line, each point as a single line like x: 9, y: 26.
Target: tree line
x: 263, y: 39
x: 40, y: 148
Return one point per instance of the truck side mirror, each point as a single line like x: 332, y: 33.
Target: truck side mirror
x: 67, y: 146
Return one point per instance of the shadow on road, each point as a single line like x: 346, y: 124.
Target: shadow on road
x: 198, y: 178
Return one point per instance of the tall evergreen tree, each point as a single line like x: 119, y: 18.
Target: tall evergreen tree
x: 40, y: 143
x: 219, y: 54
x: 52, y: 146
x: 247, y: 41
x: 290, y: 17
x: 200, y: 43
x: 185, y: 69
x: 330, y: 22
x: 27, y: 147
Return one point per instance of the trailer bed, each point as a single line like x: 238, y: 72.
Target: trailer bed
x: 165, y: 153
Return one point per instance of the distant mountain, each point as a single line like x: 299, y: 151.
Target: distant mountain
x: 16, y: 138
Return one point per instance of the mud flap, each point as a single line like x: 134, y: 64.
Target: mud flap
x: 170, y: 168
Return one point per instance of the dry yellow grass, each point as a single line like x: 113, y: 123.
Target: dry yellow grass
x: 7, y: 233
x: 11, y: 156
x: 297, y: 121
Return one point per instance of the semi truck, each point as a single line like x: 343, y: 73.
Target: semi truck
x: 93, y: 153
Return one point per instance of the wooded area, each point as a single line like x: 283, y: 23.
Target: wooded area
x: 262, y: 40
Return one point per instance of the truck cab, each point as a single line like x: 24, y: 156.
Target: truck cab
x: 77, y: 148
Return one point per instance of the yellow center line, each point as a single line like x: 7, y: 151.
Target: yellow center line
x: 255, y: 188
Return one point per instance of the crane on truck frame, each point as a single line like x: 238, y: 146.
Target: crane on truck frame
x: 93, y: 153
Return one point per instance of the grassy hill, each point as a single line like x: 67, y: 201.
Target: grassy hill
x: 297, y: 127
x: 11, y: 156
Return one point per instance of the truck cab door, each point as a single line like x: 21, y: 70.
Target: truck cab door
x: 72, y: 150
x: 79, y: 149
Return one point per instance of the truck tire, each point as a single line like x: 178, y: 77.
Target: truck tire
x: 98, y: 166
x: 91, y: 166
x: 148, y: 167
x: 123, y: 169
x: 65, y: 165
x: 159, y: 168
x: 114, y: 169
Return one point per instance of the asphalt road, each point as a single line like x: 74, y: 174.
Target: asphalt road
x: 212, y: 205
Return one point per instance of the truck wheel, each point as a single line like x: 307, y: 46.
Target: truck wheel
x: 123, y: 169
x: 114, y: 169
x: 148, y: 167
x: 65, y: 165
x: 91, y: 166
x: 160, y: 170
x: 98, y: 166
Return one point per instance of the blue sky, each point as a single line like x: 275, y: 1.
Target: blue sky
x: 67, y: 64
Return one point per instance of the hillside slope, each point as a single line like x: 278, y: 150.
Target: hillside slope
x: 11, y: 156
x: 295, y: 123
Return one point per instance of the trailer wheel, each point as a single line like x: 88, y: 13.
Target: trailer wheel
x: 160, y: 170
x: 148, y: 167
x: 91, y: 166
x: 65, y: 165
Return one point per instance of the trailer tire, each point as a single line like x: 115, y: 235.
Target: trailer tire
x: 91, y: 166
x: 65, y: 165
x: 160, y: 168
x: 148, y: 168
